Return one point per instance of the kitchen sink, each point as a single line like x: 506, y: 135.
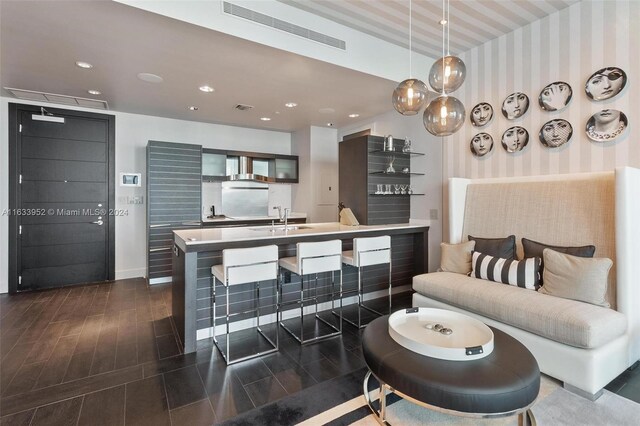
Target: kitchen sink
x: 279, y: 228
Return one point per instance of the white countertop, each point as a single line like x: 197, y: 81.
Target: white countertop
x: 292, y: 215
x: 193, y: 237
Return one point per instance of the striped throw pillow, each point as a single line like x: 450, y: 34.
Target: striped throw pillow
x: 522, y: 273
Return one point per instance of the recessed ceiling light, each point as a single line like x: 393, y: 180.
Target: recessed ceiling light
x: 85, y: 65
x: 150, y: 78
x: 330, y: 124
x: 444, y: 22
x: 193, y: 108
x: 94, y: 92
x: 291, y: 104
x: 206, y: 89
x: 265, y: 119
x: 354, y: 115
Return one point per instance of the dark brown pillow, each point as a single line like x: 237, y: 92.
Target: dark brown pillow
x: 535, y: 249
x: 504, y: 248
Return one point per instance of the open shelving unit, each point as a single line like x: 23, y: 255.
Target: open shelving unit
x: 363, y: 164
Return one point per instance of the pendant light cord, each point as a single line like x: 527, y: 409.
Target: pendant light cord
x: 444, y: 23
x: 448, y: 26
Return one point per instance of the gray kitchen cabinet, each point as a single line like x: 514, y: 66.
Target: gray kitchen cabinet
x: 174, y: 192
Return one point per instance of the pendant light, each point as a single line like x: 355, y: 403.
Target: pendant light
x: 445, y: 115
x: 447, y: 73
x: 411, y: 94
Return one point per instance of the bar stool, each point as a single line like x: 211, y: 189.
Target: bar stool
x: 368, y: 252
x: 313, y: 258
x: 242, y: 266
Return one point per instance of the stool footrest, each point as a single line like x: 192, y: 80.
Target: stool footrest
x: 337, y: 332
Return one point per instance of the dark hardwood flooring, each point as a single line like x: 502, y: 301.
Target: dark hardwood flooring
x: 107, y: 355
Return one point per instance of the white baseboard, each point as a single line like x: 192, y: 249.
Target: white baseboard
x: 206, y: 333
x: 124, y: 274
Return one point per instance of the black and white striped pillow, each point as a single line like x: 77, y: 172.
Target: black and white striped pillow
x: 522, y: 273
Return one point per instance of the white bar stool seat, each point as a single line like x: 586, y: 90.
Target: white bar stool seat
x: 368, y: 252
x: 313, y: 258
x: 242, y: 266
x: 347, y: 258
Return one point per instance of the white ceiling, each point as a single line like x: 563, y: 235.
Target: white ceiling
x: 40, y: 41
x: 472, y: 22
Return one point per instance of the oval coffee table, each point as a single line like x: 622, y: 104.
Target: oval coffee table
x: 503, y: 383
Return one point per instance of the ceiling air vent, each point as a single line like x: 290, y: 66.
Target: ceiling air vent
x: 31, y: 95
x: 260, y: 18
x: 241, y: 107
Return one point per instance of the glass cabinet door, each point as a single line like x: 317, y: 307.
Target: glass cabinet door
x: 287, y: 169
x: 214, y: 164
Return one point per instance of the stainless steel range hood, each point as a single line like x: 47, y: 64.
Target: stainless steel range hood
x: 245, y: 172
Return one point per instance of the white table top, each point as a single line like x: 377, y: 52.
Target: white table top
x: 194, y: 237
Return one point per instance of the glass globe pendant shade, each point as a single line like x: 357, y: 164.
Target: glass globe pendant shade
x: 450, y: 76
x: 443, y: 116
x: 410, y: 96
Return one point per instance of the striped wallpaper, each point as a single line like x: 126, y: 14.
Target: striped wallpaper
x: 568, y: 45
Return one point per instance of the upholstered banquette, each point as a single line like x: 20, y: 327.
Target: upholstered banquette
x: 584, y: 345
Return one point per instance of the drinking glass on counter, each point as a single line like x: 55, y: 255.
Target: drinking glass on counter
x: 397, y: 188
x: 388, y: 189
x: 379, y: 189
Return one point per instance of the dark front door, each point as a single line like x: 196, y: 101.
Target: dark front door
x: 62, y: 198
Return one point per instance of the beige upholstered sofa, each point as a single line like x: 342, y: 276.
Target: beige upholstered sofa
x: 583, y: 345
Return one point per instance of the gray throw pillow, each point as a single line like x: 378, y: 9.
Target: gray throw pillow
x: 576, y: 278
x: 456, y: 257
x: 497, y: 247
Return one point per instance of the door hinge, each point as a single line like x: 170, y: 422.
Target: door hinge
x: 20, y: 180
x: 20, y: 230
x: 19, y: 279
x: 20, y: 129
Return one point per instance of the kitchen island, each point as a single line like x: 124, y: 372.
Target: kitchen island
x: 196, y: 250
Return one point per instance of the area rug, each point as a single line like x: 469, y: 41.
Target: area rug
x: 340, y: 402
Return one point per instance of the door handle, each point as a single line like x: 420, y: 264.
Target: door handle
x: 98, y: 222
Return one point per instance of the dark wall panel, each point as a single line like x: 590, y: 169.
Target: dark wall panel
x: 60, y: 149
x: 44, y: 191
x: 174, y: 191
x: 61, y: 170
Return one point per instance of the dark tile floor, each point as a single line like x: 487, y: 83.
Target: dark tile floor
x: 107, y: 355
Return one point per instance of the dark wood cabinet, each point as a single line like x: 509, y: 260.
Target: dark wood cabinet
x: 376, y: 193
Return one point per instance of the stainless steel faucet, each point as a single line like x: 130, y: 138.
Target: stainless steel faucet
x: 284, y: 219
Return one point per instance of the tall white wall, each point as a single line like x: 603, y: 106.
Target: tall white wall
x: 431, y: 164
x: 317, y: 192
x: 569, y: 46
x: 132, y: 133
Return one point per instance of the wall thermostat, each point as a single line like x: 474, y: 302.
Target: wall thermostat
x: 130, y: 179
